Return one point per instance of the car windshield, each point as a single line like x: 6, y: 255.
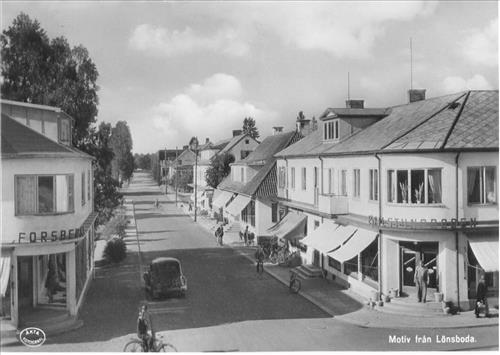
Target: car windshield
x: 167, y: 269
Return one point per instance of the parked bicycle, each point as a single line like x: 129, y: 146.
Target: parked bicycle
x: 137, y: 346
x: 295, y: 283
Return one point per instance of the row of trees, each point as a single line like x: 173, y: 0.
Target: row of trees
x: 40, y: 70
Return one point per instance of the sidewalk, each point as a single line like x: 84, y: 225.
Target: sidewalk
x: 346, y: 305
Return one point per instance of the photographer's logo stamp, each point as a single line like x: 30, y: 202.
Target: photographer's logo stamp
x: 32, y: 337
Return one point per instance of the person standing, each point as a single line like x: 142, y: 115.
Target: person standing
x: 245, y: 235
x: 481, y: 300
x: 259, y: 257
x: 421, y: 279
x: 145, y: 330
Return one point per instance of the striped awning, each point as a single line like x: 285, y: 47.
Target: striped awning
x: 89, y: 222
x: 221, y: 200
x: 485, y: 248
x: 237, y: 205
x: 4, y: 272
x: 292, y: 226
x: 359, y: 240
x: 326, y: 238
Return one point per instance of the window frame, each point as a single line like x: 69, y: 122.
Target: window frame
x: 304, y: 178
x: 70, y: 195
x: 292, y: 177
x: 373, y: 194
x: 356, y: 181
x: 331, y: 130
x: 483, y: 199
x: 393, y: 189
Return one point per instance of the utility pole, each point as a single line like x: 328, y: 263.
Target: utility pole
x: 165, y: 171
x: 195, y: 177
x: 175, y: 176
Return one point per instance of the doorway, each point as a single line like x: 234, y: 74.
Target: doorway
x: 316, y: 258
x: 410, y: 255
x: 25, y: 284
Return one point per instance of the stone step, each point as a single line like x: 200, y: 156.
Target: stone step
x: 428, y: 309
x: 307, y: 273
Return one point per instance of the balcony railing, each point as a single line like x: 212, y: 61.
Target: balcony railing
x: 333, y: 204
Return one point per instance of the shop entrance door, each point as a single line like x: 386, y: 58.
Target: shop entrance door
x: 411, y: 254
x: 316, y: 258
x: 25, y: 283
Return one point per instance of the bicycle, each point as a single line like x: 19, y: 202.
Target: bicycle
x: 295, y: 283
x: 137, y: 346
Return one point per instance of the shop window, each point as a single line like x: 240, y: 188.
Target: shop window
x: 481, y: 185
x: 369, y: 261
x: 44, y: 194
x: 373, y: 196
x: 414, y: 186
x: 292, y: 178
x: 356, y: 183
x: 304, y: 177
x: 334, y: 263
x: 351, y: 267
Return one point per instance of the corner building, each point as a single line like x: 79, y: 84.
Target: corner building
x: 47, y: 238
x: 383, y: 189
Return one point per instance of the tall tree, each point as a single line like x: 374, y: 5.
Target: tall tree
x: 250, y: 128
x: 219, y: 169
x: 38, y: 70
x: 122, y: 165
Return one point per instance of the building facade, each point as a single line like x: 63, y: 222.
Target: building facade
x: 47, y: 239
x: 414, y: 182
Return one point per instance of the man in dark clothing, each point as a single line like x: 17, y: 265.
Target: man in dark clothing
x: 259, y: 256
x: 245, y: 235
x: 481, y: 300
x: 421, y: 279
x: 145, y: 330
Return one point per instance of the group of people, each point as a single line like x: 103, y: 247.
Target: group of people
x: 247, y: 237
x: 421, y: 278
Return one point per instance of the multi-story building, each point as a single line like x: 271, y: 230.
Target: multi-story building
x: 47, y: 233
x: 383, y: 189
x: 251, y: 186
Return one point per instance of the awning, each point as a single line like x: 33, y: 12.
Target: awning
x: 292, y: 226
x: 4, y: 273
x: 326, y: 237
x: 485, y: 250
x: 355, y: 245
x: 238, y: 204
x: 221, y: 200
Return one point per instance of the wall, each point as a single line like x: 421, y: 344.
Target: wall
x: 241, y: 145
x: 12, y: 225
x: 297, y: 194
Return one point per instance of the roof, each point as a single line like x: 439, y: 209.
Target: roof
x: 266, y: 175
x: 466, y: 120
x: 36, y: 106
x: 20, y: 141
x: 220, y: 144
x: 171, y: 153
x: 163, y: 259
x: 354, y: 112
x: 235, y: 140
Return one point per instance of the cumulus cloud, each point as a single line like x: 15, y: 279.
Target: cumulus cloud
x: 208, y: 109
x: 453, y: 84
x: 164, y: 42
x: 342, y: 29
x: 480, y: 46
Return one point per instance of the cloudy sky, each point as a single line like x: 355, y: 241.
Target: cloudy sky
x: 174, y: 70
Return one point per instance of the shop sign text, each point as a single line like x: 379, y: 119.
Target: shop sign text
x: 54, y: 236
x: 404, y: 223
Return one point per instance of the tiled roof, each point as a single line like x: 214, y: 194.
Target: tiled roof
x: 477, y: 126
x: 19, y: 140
x: 355, y: 112
x: 309, y: 145
x: 268, y: 147
x: 232, y: 143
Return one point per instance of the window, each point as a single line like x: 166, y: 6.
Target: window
x: 83, y: 188
x: 414, y: 186
x: 373, y: 185
x: 330, y: 181
x: 274, y: 212
x: 316, y: 225
x: 356, y: 183
x: 64, y: 131
x: 481, y: 185
x: 331, y: 130
x: 315, y: 177
x: 242, y: 177
x: 334, y: 263
x: 88, y: 185
x: 247, y: 141
x: 245, y: 153
x: 248, y: 213
x: 44, y: 194
x: 292, y: 177
x: 281, y: 177
x: 304, y: 176
x: 343, y: 183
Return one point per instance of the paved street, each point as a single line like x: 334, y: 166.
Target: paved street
x: 227, y: 307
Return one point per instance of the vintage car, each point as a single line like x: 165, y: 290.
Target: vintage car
x: 165, y: 277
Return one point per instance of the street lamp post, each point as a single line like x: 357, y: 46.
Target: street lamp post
x: 195, y: 145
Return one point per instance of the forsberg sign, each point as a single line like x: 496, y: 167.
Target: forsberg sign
x: 54, y: 236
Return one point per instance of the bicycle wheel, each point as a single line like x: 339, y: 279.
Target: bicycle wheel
x: 133, y: 346
x: 167, y: 348
x: 295, y: 286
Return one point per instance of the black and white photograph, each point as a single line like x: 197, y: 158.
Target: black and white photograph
x: 249, y: 176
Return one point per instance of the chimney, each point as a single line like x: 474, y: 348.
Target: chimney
x: 236, y: 132
x: 277, y: 130
x: 354, y: 103
x: 415, y: 95
x: 303, y: 125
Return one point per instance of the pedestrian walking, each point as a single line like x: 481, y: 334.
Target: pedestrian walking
x: 481, y: 300
x: 245, y: 235
x: 219, y: 234
x: 421, y: 278
x: 259, y: 257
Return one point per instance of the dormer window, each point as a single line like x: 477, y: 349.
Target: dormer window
x: 331, y: 130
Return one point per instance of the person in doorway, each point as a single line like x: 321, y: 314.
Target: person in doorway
x: 421, y: 279
x: 481, y: 300
x: 145, y: 330
x: 245, y: 235
x: 51, y: 282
